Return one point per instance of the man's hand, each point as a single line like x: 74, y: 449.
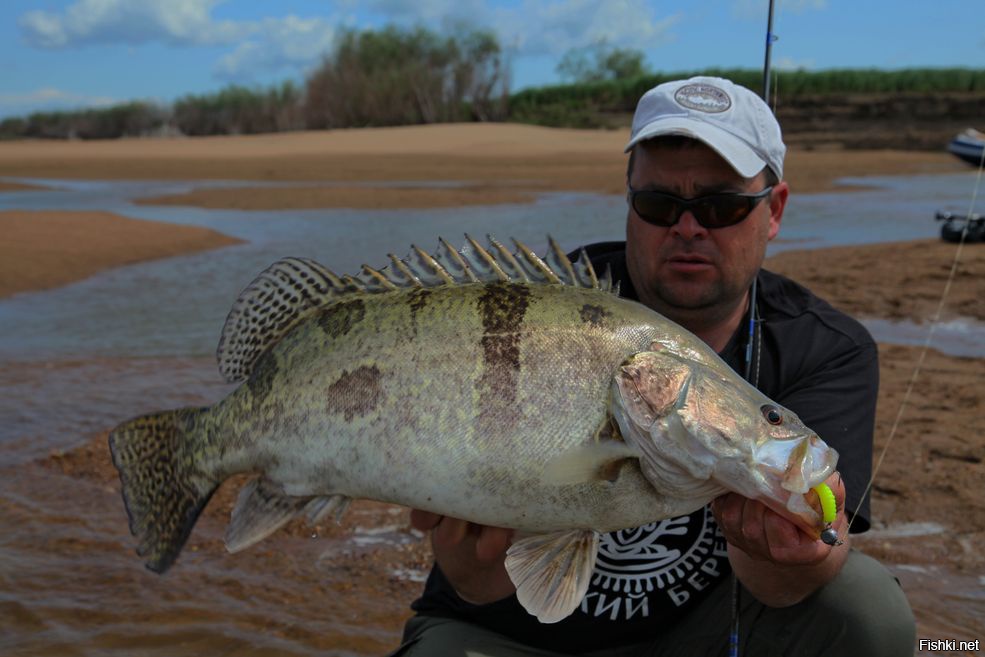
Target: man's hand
x: 772, y: 557
x: 471, y: 556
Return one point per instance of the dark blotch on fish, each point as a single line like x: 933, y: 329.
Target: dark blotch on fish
x: 418, y: 300
x: 502, y: 306
x: 356, y: 393
x: 594, y: 315
x: 338, y: 319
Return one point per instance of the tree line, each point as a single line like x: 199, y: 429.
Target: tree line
x: 371, y: 78
x: 402, y: 77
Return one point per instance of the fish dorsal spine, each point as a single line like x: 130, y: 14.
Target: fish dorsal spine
x: 292, y: 289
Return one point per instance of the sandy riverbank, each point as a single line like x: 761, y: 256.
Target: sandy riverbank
x: 508, y: 162
x: 41, y: 250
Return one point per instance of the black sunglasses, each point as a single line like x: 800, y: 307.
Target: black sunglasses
x: 711, y: 211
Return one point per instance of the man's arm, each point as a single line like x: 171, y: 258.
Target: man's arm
x: 773, y: 558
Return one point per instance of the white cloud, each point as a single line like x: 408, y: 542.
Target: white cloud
x: 539, y: 28
x: 277, y: 43
x: 261, y: 46
x: 176, y: 22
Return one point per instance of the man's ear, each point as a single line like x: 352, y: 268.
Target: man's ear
x: 778, y: 201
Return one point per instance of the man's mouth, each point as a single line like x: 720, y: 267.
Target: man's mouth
x: 687, y: 262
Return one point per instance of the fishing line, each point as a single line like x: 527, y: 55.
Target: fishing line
x: 926, y: 345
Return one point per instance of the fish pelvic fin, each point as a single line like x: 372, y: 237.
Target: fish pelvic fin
x: 164, y: 488
x: 292, y: 289
x: 551, y: 572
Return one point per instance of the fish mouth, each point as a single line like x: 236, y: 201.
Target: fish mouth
x: 789, y: 470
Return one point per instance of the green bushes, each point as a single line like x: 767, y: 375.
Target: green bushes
x: 126, y: 120
x: 238, y: 110
x: 394, y: 77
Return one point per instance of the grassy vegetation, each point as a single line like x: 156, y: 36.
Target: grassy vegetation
x: 587, y: 104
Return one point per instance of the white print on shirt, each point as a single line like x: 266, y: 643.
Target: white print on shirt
x: 663, y: 561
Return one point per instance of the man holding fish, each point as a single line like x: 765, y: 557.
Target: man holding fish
x: 706, y: 194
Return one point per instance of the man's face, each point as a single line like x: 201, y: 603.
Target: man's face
x: 689, y: 272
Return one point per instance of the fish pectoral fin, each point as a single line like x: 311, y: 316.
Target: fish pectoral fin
x: 589, y: 462
x: 261, y: 509
x: 551, y: 572
x: 318, y: 508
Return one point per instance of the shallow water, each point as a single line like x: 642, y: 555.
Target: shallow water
x: 77, y: 360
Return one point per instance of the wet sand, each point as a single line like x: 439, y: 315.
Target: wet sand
x: 41, y: 250
x: 343, y: 597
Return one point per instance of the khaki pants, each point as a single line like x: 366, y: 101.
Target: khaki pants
x: 862, y: 612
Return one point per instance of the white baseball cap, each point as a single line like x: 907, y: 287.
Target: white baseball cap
x: 732, y: 120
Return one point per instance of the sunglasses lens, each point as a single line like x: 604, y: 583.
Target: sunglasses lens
x: 714, y: 211
x: 655, y: 208
x: 722, y: 211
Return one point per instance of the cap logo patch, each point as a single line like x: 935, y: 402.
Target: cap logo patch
x: 703, y: 97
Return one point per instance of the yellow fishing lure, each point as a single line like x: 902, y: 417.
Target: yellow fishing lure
x: 829, y: 508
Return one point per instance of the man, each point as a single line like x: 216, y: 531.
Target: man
x: 706, y: 195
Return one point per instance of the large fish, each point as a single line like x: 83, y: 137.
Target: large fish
x: 493, y: 386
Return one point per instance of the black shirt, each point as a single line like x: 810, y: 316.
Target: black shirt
x: 812, y: 359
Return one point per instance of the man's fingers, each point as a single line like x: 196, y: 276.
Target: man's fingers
x: 424, y: 520
x: 492, y: 543
x: 449, y: 532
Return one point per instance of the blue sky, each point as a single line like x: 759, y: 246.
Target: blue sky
x: 72, y: 53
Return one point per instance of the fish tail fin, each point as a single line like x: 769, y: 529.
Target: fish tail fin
x: 159, y: 458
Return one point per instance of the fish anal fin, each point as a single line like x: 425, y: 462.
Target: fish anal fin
x: 320, y: 507
x: 261, y: 509
x: 552, y: 572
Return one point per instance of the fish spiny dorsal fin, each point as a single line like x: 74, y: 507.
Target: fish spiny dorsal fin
x: 352, y: 285
x: 375, y: 280
x: 584, y: 271
x: 605, y: 282
x: 276, y: 301
x: 506, y: 260
x: 537, y: 269
x: 291, y: 289
x: 401, y: 275
x: 427, y: 269
x: 482, y: 263
x: 559, y: 262
x: 453, y: 263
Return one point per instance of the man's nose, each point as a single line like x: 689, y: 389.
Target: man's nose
x: 688, y: 228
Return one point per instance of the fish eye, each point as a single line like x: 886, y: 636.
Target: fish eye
x: 772, y: 414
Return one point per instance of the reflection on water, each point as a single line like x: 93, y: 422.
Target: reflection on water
x: 956, y: 337
x: 79, y: 359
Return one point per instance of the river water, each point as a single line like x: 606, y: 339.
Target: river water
x: 76, y: 360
